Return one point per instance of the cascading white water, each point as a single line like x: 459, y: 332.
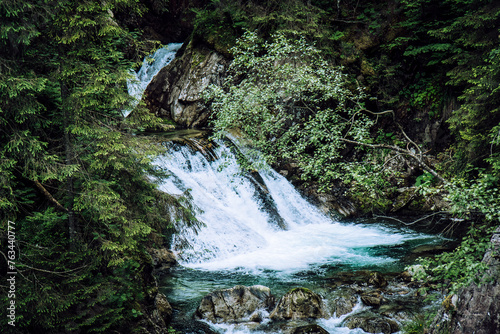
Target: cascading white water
x: 150, y: 67
x: 241, y: 232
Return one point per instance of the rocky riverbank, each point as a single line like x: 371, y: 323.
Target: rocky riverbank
x: 371, y: 301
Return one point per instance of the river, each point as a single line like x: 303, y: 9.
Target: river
x: 258, y: 229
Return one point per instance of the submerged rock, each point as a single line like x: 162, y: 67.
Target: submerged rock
x: 372, y: 324
x: 310, y: 329
x: 299, y: 303
x: 238, y: 304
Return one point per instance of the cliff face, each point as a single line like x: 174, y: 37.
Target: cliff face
x: 476, y: 308
x: 175, y: 92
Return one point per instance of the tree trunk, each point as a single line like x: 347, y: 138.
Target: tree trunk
x: 67, y: 118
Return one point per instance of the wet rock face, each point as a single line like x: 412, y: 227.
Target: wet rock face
x: 238, y: 304
x: 377, y: 280
x: 163, y: 307
x: 175, y: 92
x: 162, y: 258
x: 299, y: 303
x: 344, y: 304
x: 372, y: 298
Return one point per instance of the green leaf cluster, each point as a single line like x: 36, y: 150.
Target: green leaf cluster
x: 293, y: 105
x: 451, y: 271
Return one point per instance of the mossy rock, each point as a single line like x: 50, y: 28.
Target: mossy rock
x: 299, y: 303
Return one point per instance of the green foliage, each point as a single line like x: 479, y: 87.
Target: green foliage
x: 424, y: 180
x: 477, y: 121
x: 372, y: 183
x: 478, y: 196
x: 424, y: 94
x: 292, y: 104
x: 457, y: 40
x: 453, y: 270
x: 416, y: 326
x: 297, y: 16
x: 220, y: 22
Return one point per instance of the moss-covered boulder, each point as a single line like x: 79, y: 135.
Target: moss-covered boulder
x: 238, y: 304
x: 299, y: 303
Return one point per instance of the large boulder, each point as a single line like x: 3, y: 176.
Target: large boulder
x: 175, y: 92
x: 238, y: 304
x: 299, y: 303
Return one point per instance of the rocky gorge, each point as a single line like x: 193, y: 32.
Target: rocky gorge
x: 176, y: 94
x: 292, y: 166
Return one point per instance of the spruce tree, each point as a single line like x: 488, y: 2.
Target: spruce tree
x: 73, y: 177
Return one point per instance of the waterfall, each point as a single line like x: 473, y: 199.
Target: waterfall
x: 258, y: 227
x: 150, y: 67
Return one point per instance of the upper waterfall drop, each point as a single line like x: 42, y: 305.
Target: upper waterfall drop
x: 241, y: 217
x: 150, y: 67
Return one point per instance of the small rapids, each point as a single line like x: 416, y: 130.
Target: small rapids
x: 150, y: 67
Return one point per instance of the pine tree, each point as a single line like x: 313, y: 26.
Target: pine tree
x: 73, y: 177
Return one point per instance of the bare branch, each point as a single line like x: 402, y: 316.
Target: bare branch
x: 403, y: 151
x: 411, y: 141
x: 361, y: 109
x: 49, y: 196
x: 59, y: 273
x: 413, y: 222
